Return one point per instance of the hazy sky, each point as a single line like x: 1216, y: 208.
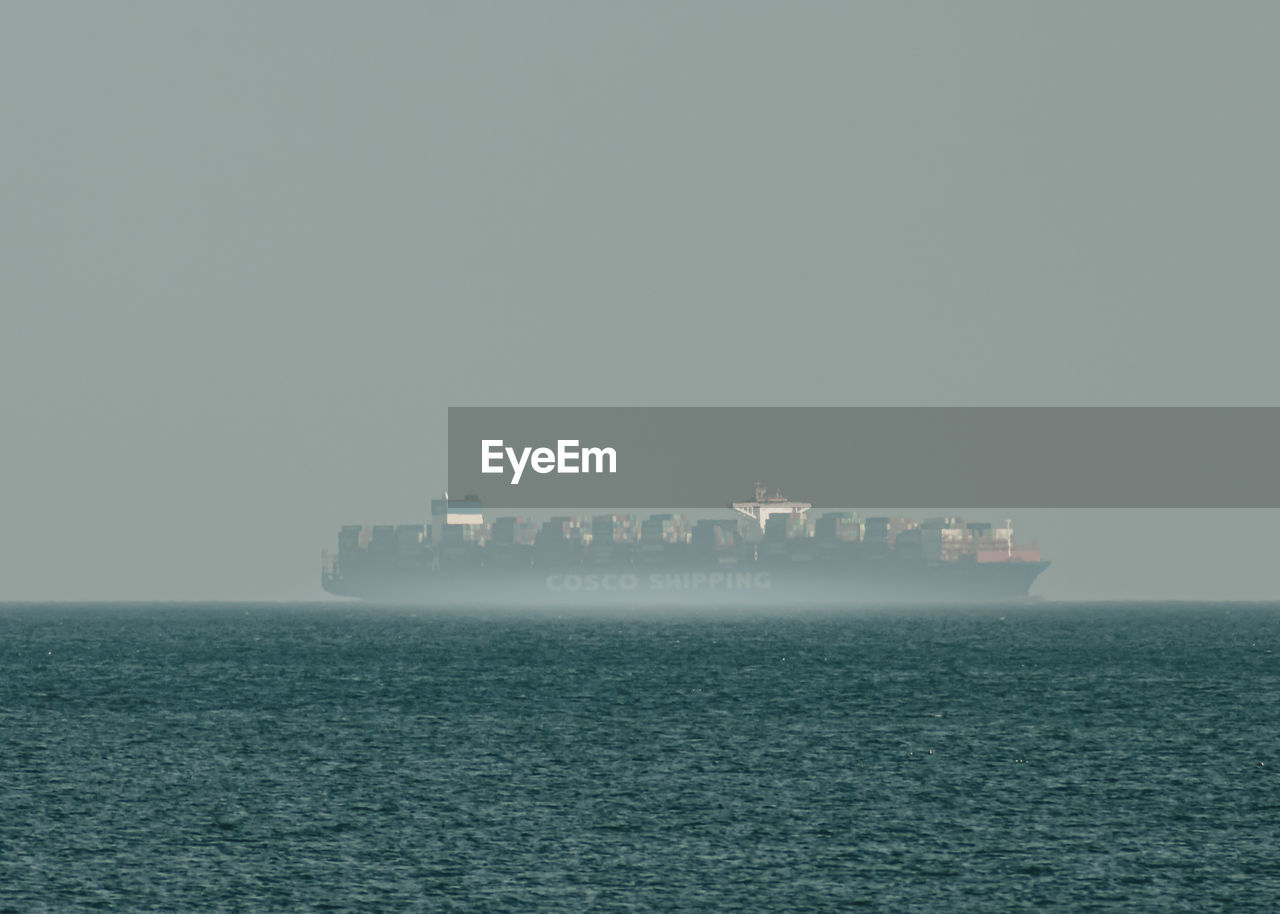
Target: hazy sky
x: 249, y: 253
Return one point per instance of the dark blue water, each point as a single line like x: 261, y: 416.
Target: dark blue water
x: 248, y: 758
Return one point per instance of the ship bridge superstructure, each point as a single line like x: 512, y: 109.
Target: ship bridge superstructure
x: 766, y: 505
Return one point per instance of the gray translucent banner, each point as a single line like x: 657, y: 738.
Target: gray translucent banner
x: 866, y: 457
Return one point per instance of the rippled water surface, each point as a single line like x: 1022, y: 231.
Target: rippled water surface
x: 1075, y: 758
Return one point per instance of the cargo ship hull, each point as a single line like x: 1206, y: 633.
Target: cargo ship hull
x: 763, y: 584
x: 771, y: 555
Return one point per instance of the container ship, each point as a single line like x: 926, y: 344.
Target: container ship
x: 771, y: 552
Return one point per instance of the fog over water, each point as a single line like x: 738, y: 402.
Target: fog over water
x: 249, y: 255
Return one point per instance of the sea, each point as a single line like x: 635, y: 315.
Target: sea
x: 335, y: 757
